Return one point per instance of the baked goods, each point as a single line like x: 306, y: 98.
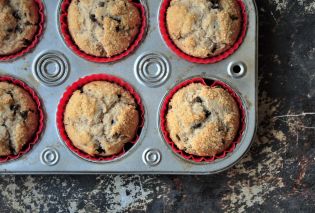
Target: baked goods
x: 19, y: 24
x: 18, y: 118
x: 202, y: 120
x: 103, y: 28
x: 100, y: 118
x: 203, y: 28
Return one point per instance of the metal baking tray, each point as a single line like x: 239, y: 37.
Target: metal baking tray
x: 150, y: 155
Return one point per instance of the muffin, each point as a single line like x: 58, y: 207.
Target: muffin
x: 202, y: 120
x: 103, y: 28
x: 19, y: 20
x: 18, y: 118
x: 203, y: 28
x: 100, y: 118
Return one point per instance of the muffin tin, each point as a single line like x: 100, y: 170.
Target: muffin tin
x: 152, y: 70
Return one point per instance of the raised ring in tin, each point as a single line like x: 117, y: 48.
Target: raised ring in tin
x: 49, y: 157
x: 152, y: 69
x: 51, y: 68
x: 151, y: 157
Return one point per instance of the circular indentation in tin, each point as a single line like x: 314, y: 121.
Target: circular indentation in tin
x: 237, y: 69
x: 151, y: 157
x: 49, y: 157
x: 51, y: 68
x: 152, y: 69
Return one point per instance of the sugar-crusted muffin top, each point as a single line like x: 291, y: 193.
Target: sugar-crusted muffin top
x: 103, y: 28
x: 19, y: 24
x: 18, y: 118
x: 202, y: 120
x: 100, y: 118
x: 204, y: 28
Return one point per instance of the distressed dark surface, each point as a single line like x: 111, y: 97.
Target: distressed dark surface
x: 278, y: 175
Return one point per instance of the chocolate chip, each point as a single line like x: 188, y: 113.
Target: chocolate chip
x: 16, y: 15
x: 18, y: 29
x: 215, y: 47
x: 101, y: 4
x: 116, y: 135
x: 81, y: 90
x: 197, y: 100
x: 100, y: 150
x: 117, y: 28
x: 178, y: 138
x: 119, y: 96
x: 197, y: 126
x: 207, y: 113
x: 93, y: 18
x: 27, y: 23
x: 26, y: 42
x: 14, y: 107
x: 112, y: 122
x: 233, y: 17
x: 24, y: 114
x: 215, y: 4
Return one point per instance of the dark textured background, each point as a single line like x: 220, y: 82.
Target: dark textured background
x: 278, y: 175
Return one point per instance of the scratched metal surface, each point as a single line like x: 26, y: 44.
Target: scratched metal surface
x: 277, y: 175
x: 151, y: 154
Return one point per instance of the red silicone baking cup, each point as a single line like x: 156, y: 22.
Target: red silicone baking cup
x: 26, y: 148
x: 37, y: 36
x: 70, y: 42
x: 210, y: 60
x: 79, y: 84
x: 195, y: 158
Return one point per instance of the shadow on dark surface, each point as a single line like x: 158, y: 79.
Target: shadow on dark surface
x: 278, y: 174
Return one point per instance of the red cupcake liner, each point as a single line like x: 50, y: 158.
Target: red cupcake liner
x: 79, y: 84
x: 41, y: 123
x: 210, y: 60
x: 198, y: 159
x: 37, y: 36
x: 70, y: 42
